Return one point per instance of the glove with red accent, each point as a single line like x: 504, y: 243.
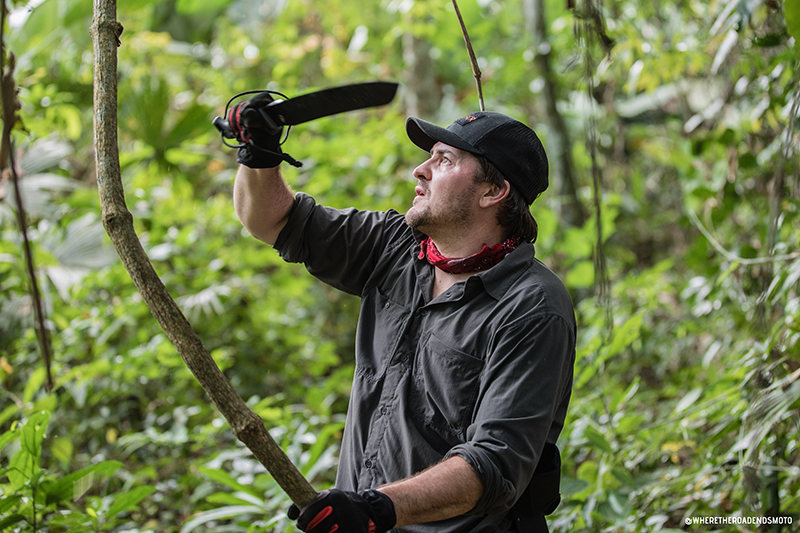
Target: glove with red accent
x: 346, y: 512
x: 261, y: 137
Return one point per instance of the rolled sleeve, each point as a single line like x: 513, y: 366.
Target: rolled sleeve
x: 525, y: 385
x: 338, y: 246
x: 290, y: 244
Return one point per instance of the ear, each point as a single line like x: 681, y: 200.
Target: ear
x: 494, y: 195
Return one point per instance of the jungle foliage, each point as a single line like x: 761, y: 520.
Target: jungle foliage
x: 687, y: 390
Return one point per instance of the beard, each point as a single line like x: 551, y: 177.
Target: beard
x: 453, y: 212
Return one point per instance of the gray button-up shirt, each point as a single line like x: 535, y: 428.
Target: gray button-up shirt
x: 483, y: 371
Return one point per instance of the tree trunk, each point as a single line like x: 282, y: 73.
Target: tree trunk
x: 118, y: 221
x: 572, y: 212
x: 422, y: 93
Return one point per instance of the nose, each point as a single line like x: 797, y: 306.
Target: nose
x: 422, y: 172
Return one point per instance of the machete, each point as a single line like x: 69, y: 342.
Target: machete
x: 324, y: 103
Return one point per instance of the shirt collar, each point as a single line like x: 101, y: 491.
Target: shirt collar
x: 497, y: 280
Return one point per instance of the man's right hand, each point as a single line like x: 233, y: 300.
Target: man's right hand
x: 262, y: 148
x: 346, y: 512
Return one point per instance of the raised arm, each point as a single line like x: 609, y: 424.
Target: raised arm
x: 261, y: 197
x: 262, y: 200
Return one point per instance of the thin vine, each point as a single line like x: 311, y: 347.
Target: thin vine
x: 476, y: 69
x: 10, y: 105
x: 590, y: 32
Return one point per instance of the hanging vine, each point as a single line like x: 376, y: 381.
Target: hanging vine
x: 590, y: 34
x: 10, y: 106
x: 476, y: 69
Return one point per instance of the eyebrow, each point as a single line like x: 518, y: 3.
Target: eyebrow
x: 444, y: 150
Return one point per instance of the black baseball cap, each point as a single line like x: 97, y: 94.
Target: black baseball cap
x: 510, y: 145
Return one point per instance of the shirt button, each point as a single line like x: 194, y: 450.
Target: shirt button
x: 368, y: 463
x: 384, y: 410
x: 387, y: 306
x: 404, y: 358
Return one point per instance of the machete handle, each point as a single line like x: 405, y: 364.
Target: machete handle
x: 224, y: 127
x: 269, y: 124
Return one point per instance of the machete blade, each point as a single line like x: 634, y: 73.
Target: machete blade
x: 331, y: 101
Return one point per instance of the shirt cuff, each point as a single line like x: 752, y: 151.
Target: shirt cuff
x: 499, y: 494
x: 290, y: 243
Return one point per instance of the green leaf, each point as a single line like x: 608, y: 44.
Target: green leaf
x: 748, y: 160
x: 598, y: 439
x: 625, y: 335
x: 11, y: 520
x: 7, y: 413
x: 226, y: 498
x: 791, y: 12
x: 77, y: 483
x: 128, y: 500
x: 624, y: 476
x: 8, y: 502
x: 151, y: 106
x: 34, y: 384
x: 41, y: 28
x: 570, y: 486
x: 191, y: 123
x: 226, y: 479
x: 190, y: 7
x: 132, y: 5
x: 222, y: 513
x: 581, y: 275
x: 320, y: 446
x: 21, y: 468
x: 61, y: 448
x: 588, y: 372
x: 33, y: 433
x: 7, y: 437
x: 688, y: 400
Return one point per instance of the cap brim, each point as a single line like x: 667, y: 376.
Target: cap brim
x: 425, y: 134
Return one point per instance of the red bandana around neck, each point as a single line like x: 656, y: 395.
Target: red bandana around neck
x: 483, y: 260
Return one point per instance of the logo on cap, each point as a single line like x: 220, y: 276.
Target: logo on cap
x: 472, y: 117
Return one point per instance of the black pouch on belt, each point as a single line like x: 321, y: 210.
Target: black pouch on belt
x: 542, y: 495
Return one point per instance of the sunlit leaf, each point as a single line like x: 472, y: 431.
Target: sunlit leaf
x: 688, y: 400
x: 21, y: 468
x: 11, y: 520
x: 222, y: 513
x: 128, y: 500
x: 189, y: 7
x: 791, y: 12
x: 77, y: 483
x: 226, y: 479
x: 33, y: 432
x: 8, y: 437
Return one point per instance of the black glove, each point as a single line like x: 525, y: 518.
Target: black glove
x: 346, y: 512
x: 262, y: 141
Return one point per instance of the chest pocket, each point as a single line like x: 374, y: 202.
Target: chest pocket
x: 381, y: 322
x: 444, y: 387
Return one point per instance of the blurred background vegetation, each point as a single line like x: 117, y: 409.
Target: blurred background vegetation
x: 673, y: 124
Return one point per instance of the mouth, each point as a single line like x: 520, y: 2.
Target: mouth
x: 419, y: 191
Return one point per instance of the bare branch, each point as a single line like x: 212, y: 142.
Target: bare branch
x: 118, y: 221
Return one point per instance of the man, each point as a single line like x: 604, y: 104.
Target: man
x: 465, y: 344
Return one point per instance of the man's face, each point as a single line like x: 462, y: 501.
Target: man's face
x: 446, y: 191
